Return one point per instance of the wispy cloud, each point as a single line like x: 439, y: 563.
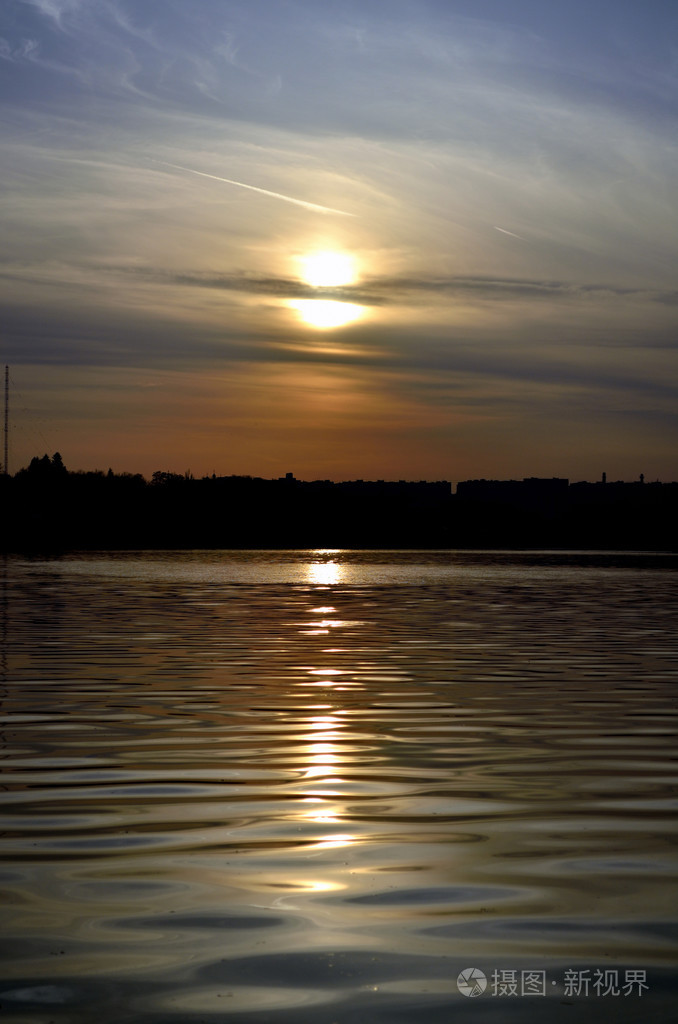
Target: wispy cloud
x: 314, y: 207
x: 406, y: 134
x: 398, y: 290
x: 26, y: 49
x: 54, y: 9
x: 371, y: 291
x: 504, y: 231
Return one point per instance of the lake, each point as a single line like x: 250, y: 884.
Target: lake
x: 339, y: 787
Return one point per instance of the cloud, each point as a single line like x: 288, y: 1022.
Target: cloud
x: 314, y: 207
x: 511, y: 233
x: 77, y: 328
x: 378, y: 291
x: 435, y: 130
x: 26, y: 49
x: 500, y: 288
x: 54, y: 9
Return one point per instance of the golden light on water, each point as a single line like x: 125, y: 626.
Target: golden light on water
x: 323, y: 759
x: 324, y: 573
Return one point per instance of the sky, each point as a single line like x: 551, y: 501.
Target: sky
x: 432, y: 240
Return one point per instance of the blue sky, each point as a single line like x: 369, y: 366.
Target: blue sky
x: 502, y: 175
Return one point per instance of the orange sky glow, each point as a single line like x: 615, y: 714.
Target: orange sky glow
x: 240, y: 265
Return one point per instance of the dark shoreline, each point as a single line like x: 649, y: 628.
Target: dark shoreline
x: 48, y: 509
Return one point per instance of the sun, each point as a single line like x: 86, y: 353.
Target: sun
x: 328, y: 269
x: 324, y: 313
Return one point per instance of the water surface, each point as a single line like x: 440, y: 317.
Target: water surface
x: 316, y: 786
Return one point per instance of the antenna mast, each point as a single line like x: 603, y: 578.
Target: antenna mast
x: 6, y: 468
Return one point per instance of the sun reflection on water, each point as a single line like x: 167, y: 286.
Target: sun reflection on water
x: 324, y: 753
x: 323, y: 759
x: 325, y: 571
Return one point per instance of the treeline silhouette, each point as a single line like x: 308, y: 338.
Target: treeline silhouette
x: 47, y: 509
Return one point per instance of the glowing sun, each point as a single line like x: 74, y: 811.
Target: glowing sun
x: 324, y: 313
x: 328, y: 269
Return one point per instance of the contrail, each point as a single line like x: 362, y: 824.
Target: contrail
x: 264, y: 191
x: 511, y: 233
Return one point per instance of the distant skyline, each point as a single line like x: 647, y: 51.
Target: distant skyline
x: 398, y: 240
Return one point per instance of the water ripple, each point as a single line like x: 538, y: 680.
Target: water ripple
x: 238, y: 788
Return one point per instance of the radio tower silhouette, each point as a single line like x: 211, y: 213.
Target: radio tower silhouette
x: 5, y: 465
